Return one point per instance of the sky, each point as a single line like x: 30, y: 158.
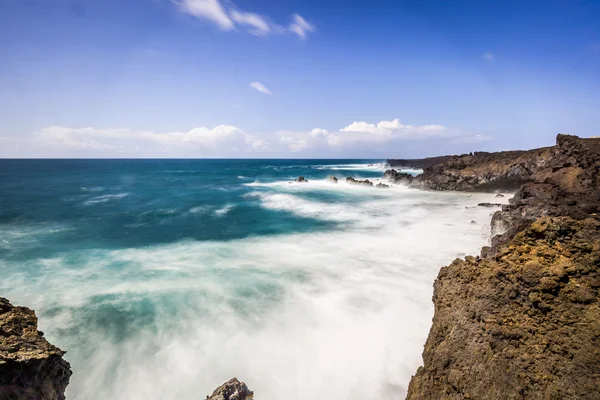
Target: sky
x: 294, y: 78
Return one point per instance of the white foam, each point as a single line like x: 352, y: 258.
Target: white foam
x: 353, y: 167
x: 223, y: 210
x: 105, y: 198
x: 322, y: 315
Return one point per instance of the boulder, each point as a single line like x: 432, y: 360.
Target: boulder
x: 382, y: 185
x: 302, y: 179
x: 353, y: 181
x: 398, y: 177
x: 333, y: 179
x: 232, y: 390
x: 30, y: 367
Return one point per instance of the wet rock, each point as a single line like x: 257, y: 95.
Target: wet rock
x: 499, y: 195
x: 232, y: 390
x: 302, y: 179
x: 489, y: 205
x: 353, y: 181
x: 382, y: 185
x: 398, y: 177
x: 333, y: 179
x: 30, y: 367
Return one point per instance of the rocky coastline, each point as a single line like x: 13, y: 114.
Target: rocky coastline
x: 522, y: 321
x: 519, y: 321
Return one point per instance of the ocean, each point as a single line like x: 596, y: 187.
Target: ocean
x: 162, y: 279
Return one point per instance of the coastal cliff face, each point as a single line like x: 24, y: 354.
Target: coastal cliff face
x: 524, y: 324
x: 480, y: 171
x: 30, y: 367
x: 523, y: 320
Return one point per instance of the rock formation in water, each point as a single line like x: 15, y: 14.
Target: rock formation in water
x: 232, y: 390
x: 523, y: 320
x: 353, y: 181
x: 30, y: 367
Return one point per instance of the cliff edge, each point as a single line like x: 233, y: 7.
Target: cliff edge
x: 523, y: 320
x: 30, y: 367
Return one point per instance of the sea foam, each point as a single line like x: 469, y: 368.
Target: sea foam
x: 341, y: 313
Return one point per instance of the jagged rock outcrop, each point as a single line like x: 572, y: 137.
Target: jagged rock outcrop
x: 353, y: 181
x: 232, y: 390
x: 569, y: 185
x: 524, y: 324
x: 523, y: 321
x: 482, y: 171
x: 301, y: 179
x: 420, y: 163
x: 30, y: 367
x: 398, y: 177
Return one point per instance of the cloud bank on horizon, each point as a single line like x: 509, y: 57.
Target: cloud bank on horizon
x: 225, y: 140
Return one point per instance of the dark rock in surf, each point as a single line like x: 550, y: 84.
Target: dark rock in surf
x: 353, y: 181
x: 398, y: 177
x: 232, y: 390
x: 302, y: 179
x: 499, y: 195
x: 382, y: 185
x: 333, y: 179
x: 489, y: 205
x: 30, y: 367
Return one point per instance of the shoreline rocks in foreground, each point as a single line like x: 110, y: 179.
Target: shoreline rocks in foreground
x: 30, y: 367
x: 232, y: 390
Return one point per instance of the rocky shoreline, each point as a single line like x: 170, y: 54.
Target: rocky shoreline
x: 520, y: 321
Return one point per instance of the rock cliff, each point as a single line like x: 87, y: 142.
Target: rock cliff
x: 523, y: 320
x: 30, y: 367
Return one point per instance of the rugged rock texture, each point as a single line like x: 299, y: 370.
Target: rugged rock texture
x: 524, y: 324
x: 568, y: 185
x: 401, y: 178
x: 333, y: 179
x: 523, y: 321
x: 353, y: 181
x: 232, y: 390
x: 481, y: 171
x: 421, y: 163
x: 30, y: 367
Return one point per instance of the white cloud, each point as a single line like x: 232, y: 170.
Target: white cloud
x: 260, y: 87
x: 300, y: 26
x: 200, y: 141
x: 211, y: 10
x: 360, y: 138
x: 361, y: 133
x: 489, y: 57
x: 258, y: 24
x: 229, y: 17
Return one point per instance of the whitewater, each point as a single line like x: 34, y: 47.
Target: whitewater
x: 164, y: 278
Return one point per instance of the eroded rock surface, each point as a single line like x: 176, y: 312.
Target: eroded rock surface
x: 232, y: 390
x: 524, y: 324
x: 523, y: 320
x: 30, y: 367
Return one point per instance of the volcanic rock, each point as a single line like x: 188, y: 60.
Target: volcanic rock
x: 30, y: 367
x: 353, y: 181
x: 232, y: 390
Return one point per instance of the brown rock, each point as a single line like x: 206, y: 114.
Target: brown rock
x: 232, y: 390
x: 30, y: 367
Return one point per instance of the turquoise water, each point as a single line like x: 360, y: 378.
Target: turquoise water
x: 164, y: 278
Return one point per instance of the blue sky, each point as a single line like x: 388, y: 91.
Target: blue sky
x: 291, y: 78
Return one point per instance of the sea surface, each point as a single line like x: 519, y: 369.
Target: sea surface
x: 164, y: 278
